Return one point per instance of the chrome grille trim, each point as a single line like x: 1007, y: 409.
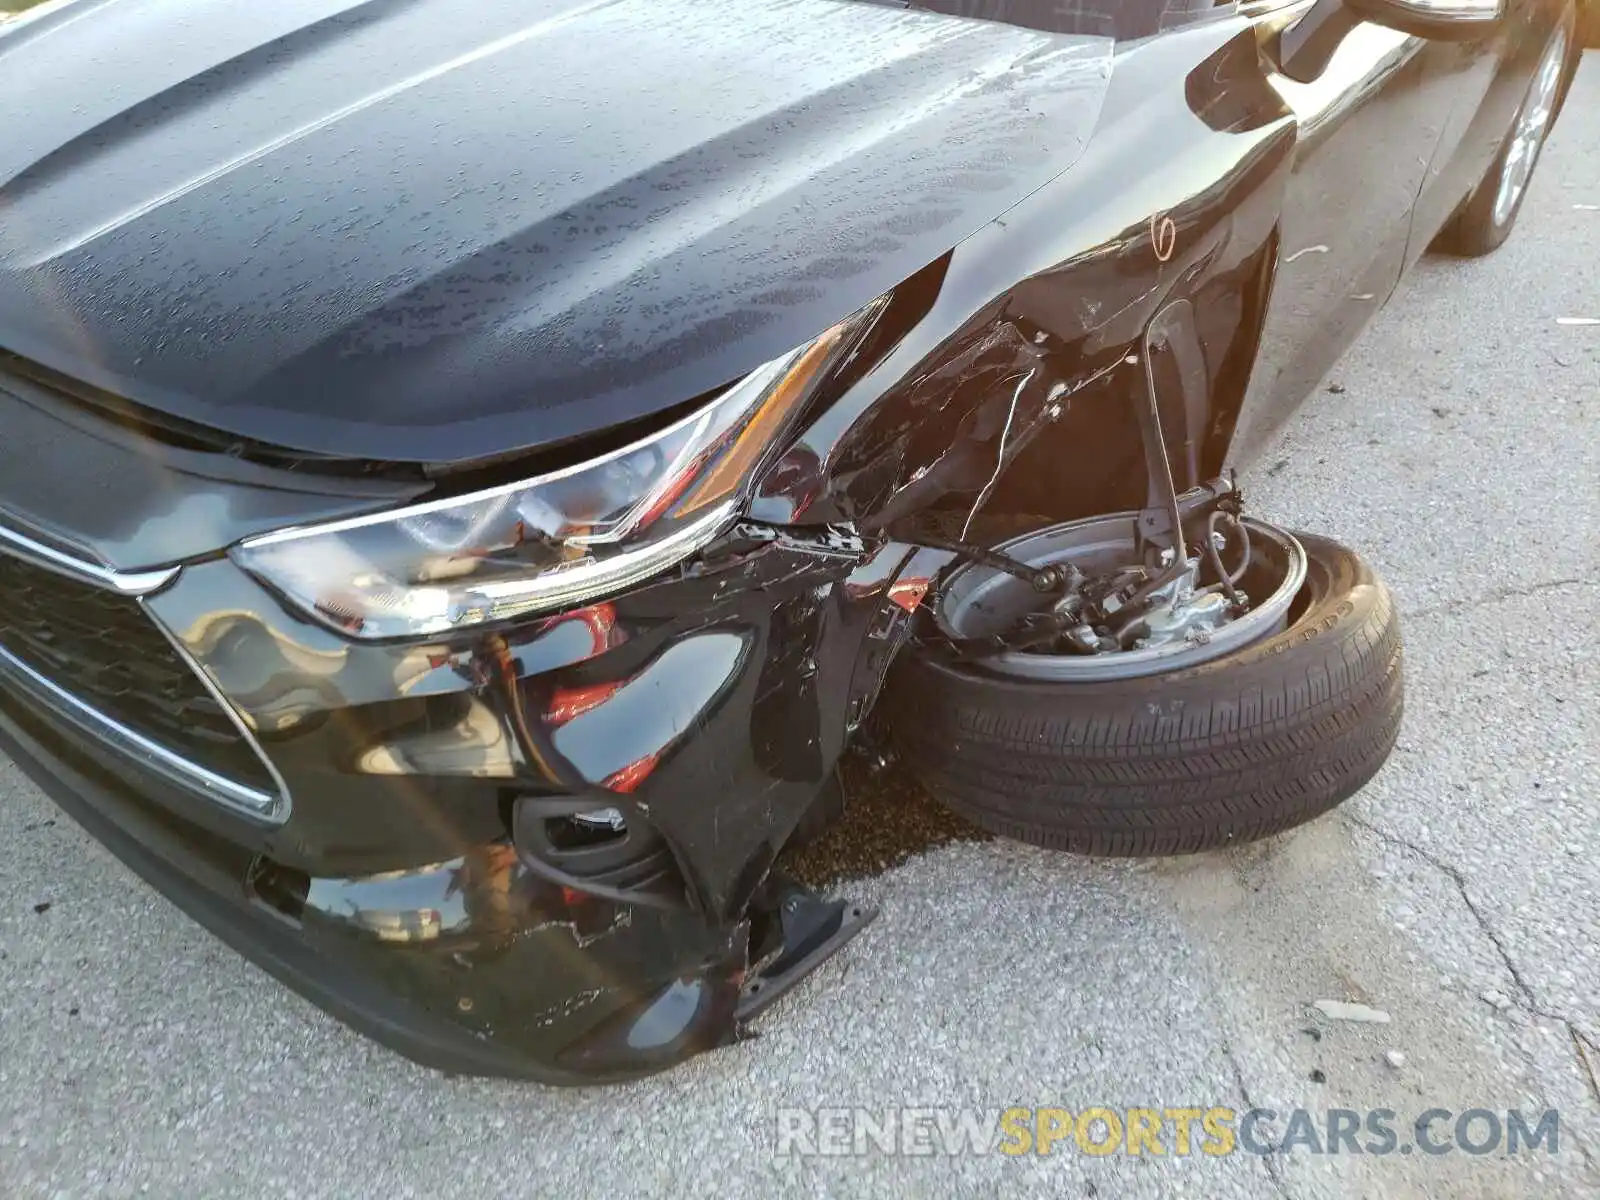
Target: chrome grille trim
x: 278, y: 810
x: 135, y: 745
x: 138, y: 583
x: 270, y: 807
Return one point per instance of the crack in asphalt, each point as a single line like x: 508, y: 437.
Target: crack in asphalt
x: 1582, y: 1046
x: 1269, y: 1161
x: 1585, y: 1048
x: 1498, y: 596
x: 1438, y: 864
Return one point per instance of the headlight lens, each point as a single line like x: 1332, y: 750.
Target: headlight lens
x: 551, y: 542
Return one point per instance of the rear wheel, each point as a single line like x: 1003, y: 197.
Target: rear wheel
x: 1249, y: 742
x: 1490, y: 213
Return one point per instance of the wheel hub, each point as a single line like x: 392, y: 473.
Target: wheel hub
x: 1183, y: 614
x: 1180, y: 624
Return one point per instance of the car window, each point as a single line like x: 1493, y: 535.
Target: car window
x: 1125, y: 20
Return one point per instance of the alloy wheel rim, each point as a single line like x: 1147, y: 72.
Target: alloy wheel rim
x: 1533, y: 124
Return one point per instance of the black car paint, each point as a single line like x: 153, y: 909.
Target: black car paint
x: 393, y: 233
x: 1291, y: 217
x: 131, y: 498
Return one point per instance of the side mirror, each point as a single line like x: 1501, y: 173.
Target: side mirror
x: 1306, y: 47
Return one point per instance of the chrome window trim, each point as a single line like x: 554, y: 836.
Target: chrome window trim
x: 136, y: 583
x: 1468, y: 12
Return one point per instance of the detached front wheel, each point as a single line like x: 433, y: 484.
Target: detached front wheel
x: 1187, y: 748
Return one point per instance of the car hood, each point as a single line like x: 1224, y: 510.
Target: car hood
x: 430, y: 230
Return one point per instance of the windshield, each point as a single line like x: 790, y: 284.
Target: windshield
x: 1124, y: 20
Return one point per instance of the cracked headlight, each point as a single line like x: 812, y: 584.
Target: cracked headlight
x: 555, y: 541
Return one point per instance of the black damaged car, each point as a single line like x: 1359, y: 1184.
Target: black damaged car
x: 469, y: 469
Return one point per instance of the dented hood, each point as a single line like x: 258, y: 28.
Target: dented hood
x: 434, y: 230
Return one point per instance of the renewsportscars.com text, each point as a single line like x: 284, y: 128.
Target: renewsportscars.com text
x: 1100, y: 1131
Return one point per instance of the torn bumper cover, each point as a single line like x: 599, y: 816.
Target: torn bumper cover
x: 707, y: 711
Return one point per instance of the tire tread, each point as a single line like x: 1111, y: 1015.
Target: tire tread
x: 1240, y: 749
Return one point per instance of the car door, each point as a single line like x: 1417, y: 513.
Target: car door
x: 1489, y: 78
x: 1369, y: 124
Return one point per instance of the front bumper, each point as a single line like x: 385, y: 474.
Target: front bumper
x: 398, y: 996
x: 712, y: 705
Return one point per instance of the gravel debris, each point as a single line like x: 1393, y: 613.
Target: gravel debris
x: 1339, y: 1010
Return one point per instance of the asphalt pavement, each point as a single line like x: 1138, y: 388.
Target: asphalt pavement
x: 1458, y: 447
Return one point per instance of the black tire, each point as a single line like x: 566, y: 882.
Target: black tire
x: 1232, y: 750
x: 1473, y: 232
